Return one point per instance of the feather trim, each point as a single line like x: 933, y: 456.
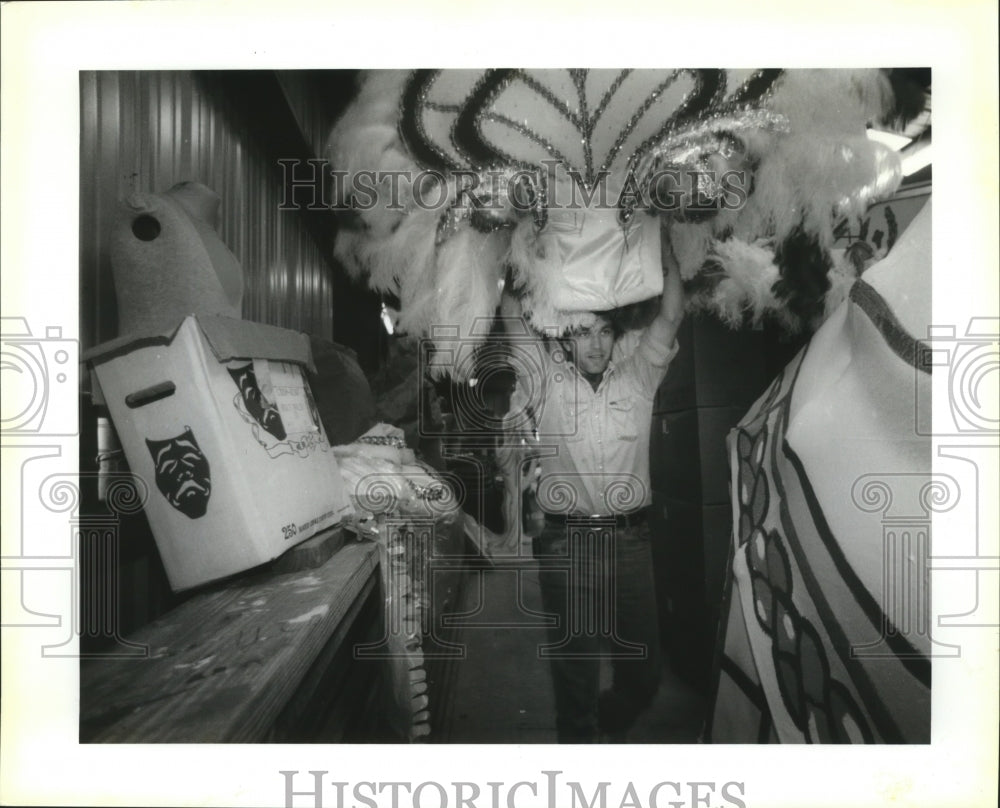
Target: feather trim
x: 806, y: 176
x: 534, y: 263
x: 691, y: 244
x: 469, y: 270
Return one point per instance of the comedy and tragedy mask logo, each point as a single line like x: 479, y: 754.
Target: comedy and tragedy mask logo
x: 278, y: 405
x: 256, y: 404
x: 182, y: 473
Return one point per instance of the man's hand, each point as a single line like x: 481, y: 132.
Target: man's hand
x: 663, y: 330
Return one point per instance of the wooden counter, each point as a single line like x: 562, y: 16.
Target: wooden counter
x: 261, y: 658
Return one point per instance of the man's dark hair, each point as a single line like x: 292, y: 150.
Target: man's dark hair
x: 631, y: 317
x: 615, y: 321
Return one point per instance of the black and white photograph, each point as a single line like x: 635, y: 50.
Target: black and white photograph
x: 383, y: 427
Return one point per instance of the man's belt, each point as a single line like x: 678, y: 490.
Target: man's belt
x: 631, y: 519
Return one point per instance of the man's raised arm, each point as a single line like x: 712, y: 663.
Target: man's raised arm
x: 663, y: 330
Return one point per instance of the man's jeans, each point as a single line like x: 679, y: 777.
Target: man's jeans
x: 598, y: 579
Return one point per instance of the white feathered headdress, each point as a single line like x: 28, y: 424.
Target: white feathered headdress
x: 561, y: 182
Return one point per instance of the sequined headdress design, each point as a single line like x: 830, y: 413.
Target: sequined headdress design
x: 568, y: 184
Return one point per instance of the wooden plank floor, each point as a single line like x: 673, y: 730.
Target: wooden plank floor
x: 502, y: 691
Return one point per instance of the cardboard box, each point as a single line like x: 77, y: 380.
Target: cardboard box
x: 218, y: 419
x: 687, y: 453
x: 674, y: 459
x: 717, y: 530
x: 714, y: 424
x: 680, y: 577
x: 677, y: 391
x: 691, y: 543
x: 728, y: 364
x: 716, y: 366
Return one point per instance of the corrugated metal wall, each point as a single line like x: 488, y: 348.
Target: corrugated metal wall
x: 315, y: 97
x: 145, y: 131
